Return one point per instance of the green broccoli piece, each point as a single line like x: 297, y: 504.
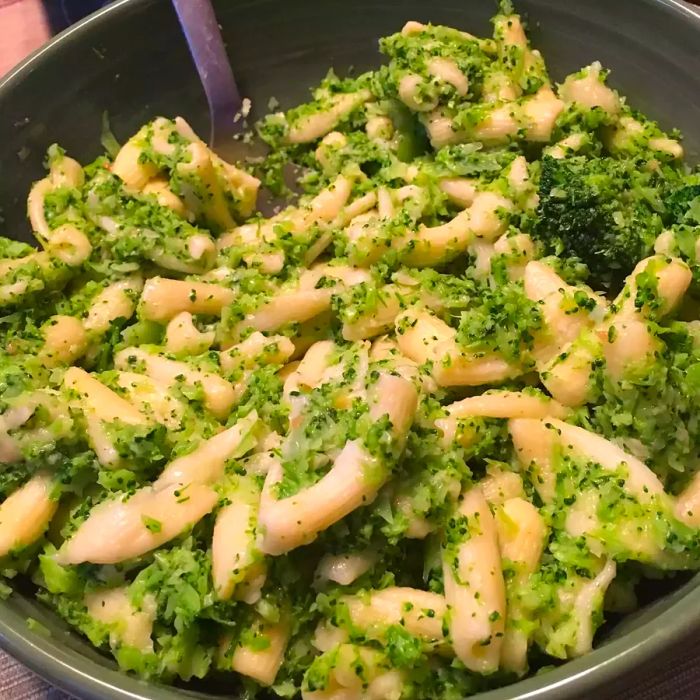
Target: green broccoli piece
x: 683, y: 204
x: 605, y: 212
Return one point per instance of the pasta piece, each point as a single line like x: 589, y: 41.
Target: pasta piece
x: 242, y: 185
x: 420, y: 613
x: 453, y: 368
x: 418, y: 332
x: 459, y: 190
x: 622, y: 338
x: 25, y: 514
x: 306, y: 301
x: 65, y: 341
x: 499, y: 87
x: 380, y: 129
x: 296, y: 520
x: 498, y: 404
x: 153, y: 400
x: 203, y: 192
x: 380, y: 319
x: 518, y: 250
x: 101, y: 401
x: 257, y: 348
x: 423, y: 337
x: 521, y: 535
x: 262, y: 658
x: 116, y: 300
x: 257, y: 240
x: 568, y: 376
x: 587, y: 89
x: 158, y: 187
x: 333, y: 141
x: 504, y: 82
x: 569, y: 145
x: 35, y: 208
x: 237, y: 565
x: 627, y: 339
x: 672, y: 277
x: 667, y: 146
x: 151, y: 517
x: 219, y: 395
x: 155, y: 514
x: 419, y: 527
x: 413, y: 93
x: 306, y: 376
x: 543, y: 442
x: 207, y: 462
x: 312, y: 126
x: 344, y: 568
x: 564, y: 318
x: 66, y: 172
x: 687, y: 507
x: 507, y: 404
x: 534, y: 447
x: 182, y: 337
x: 69, y: 245
x: 131, y: 627
x: 102, y: 406
x: 53, y: 423
x: 412, y: 27
x: 191, y: 255
x: 486, y: 218
x: 539, y: 114
x: 533, y: 117
x: 294, y: 306
x: 441, y: 129
x: 587, y: 603
x: 640, y: 480
x: 386, y: 350
x: 446, y: 70
x: 130, y: 166
x: 472, y: 566
x: 357, y: 673
x: 162, y: 299
x: 327, y: 636
x: 499, y: 486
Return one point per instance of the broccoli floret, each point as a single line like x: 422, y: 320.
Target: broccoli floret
x: 603, y: 211
x: 683, y: 204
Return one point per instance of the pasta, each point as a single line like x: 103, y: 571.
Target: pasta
x: 413, y: 435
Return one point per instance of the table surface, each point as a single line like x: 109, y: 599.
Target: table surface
x: 24, y: 26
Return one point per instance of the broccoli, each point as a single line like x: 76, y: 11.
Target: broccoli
x: 605, y: 212
x: 652, y: 414
x: 683, y: 204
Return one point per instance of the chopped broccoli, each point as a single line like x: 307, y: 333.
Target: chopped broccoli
x: 603, y: 211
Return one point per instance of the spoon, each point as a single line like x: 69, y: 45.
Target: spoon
x: 206, y: 44
x: 226, y: 108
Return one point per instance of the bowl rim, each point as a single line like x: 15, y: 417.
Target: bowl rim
x: 78, y: 674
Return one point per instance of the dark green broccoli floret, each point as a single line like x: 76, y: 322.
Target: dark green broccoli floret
x: 683, y: 204
x: 603, y: 211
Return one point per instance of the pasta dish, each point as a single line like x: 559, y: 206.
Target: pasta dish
x: 416, y: 434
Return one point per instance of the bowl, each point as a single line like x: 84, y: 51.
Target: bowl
x: 130, y: 61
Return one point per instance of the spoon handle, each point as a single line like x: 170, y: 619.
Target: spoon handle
x: 207, y: 48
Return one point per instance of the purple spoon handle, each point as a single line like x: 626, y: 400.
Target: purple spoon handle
x: 207, y: 48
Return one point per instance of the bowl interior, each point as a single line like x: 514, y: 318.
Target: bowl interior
x: 130, y: 62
